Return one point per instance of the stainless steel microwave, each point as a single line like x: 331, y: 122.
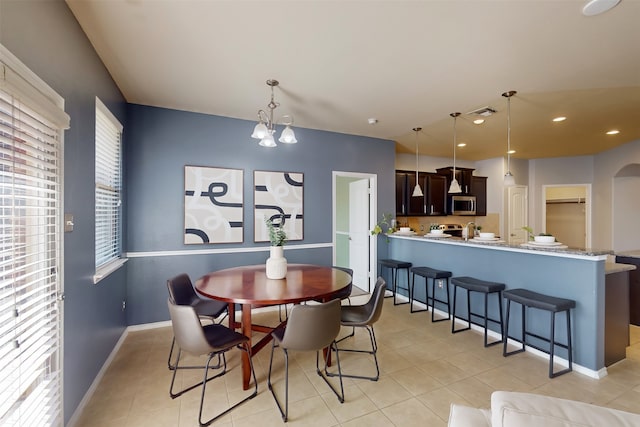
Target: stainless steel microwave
x: 463, y: 205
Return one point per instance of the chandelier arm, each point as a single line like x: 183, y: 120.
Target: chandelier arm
x: 263, y: 117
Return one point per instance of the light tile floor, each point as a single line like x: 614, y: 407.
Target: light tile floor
x: 424, y: 368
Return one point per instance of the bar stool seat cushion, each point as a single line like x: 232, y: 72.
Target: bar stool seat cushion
x: 543, y: 302
x: 431, y: 273
x: 394, y: 263
x: 477, y: 285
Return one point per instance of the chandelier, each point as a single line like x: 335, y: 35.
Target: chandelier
x: 265, y: 128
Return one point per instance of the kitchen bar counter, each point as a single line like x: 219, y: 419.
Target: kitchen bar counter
x: 577, y: 274
x: 500, y: 244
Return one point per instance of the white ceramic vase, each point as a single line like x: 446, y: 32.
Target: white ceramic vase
x: 276, y: 263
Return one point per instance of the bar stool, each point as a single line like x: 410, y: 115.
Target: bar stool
x: 553, y: 305
x: 476, y: 285
x: 433, y: 274
x: 394, y: 265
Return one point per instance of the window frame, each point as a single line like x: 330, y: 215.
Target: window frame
x: 116, y: 258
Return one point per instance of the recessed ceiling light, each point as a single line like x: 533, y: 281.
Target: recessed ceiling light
x: 462, y: 144
x: 372, y: 121
x: 613, y: 132
x: 596, y: 7
x: 511, y: 151
x: 560, y: 119
x: 478, y: 121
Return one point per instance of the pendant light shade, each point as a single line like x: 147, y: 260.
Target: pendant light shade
x: 417, y: 190
x: 455, y: 186
x: 509, y: 179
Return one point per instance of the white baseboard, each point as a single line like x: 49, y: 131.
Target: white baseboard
x: 94, y: 385
x: 601, y: 373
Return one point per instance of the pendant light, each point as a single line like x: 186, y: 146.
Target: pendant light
x: 454, y: 187
x: 509, y: 179
x: 417, y: 191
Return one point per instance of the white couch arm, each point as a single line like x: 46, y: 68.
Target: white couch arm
x: 512, y: 409
x: 464, y: 416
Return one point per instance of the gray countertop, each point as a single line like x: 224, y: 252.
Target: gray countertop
x: 616, y: 267
x: 630, y: 254
x: 502, y: 245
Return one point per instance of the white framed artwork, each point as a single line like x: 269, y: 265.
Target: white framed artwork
x: 279, y: 196
x: 213, y: 205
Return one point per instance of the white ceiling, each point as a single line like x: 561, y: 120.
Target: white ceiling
x: 405, y: 63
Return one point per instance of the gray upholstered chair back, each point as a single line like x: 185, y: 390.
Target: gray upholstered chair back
x: 187, y: 329
x: 312, y: 327
x: 181, y: 290
x: 374, y: 305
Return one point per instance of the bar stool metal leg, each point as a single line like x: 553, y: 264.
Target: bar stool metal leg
x: 433, y: 300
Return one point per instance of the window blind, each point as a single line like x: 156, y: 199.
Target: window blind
x: 30, y: 248
x: 108, y: 187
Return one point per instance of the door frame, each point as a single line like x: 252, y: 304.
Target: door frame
x: 587, y: 209
x: 373, y: 214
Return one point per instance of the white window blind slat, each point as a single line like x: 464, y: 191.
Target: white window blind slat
x: 108, y: 187
x: 31, y: 123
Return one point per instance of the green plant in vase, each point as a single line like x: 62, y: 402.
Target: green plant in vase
x: 277, y: 235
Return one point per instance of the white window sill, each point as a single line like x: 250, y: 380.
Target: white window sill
x: 107, y: 269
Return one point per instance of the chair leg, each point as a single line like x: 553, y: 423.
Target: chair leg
x: 468, y: 319
x: 505, y: 335
x: 283, y: 412
x: 206, y: 372
x: 243, y: 347
x: 412, y: 293
x: 373, y: 352
x: 333, y: 346
x: 433, y: 302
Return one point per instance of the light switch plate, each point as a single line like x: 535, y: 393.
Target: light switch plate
x: 68, y: 223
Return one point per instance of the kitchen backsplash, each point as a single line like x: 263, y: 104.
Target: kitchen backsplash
x: 489, y: 223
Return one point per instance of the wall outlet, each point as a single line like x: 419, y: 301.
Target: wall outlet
x: 124, y: 305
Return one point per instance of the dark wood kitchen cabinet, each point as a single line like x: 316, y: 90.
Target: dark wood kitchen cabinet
x: 479, y: 189
x: 402, y: 200
x: 433, y: 200
x: 436, y: 195
x: 463, y: 176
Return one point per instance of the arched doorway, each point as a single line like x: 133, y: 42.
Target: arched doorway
x: 625, y: 208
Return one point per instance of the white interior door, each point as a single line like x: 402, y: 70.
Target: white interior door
x: 517, y: 208
x: 359, y: 232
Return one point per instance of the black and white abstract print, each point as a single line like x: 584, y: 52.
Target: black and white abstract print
x: 279, y: 196
x: 213, y: 205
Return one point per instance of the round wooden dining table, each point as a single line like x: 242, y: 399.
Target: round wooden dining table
x: 250, y: 287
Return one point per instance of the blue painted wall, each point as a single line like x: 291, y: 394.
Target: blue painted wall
x: 46, y: 37
x: 162, y: 141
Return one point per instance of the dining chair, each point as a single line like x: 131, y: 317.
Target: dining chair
x: 214, y: 340
x: 363, y: 316
x: 346, y: 292
x: 309, y: 328
x: 181, y: 293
